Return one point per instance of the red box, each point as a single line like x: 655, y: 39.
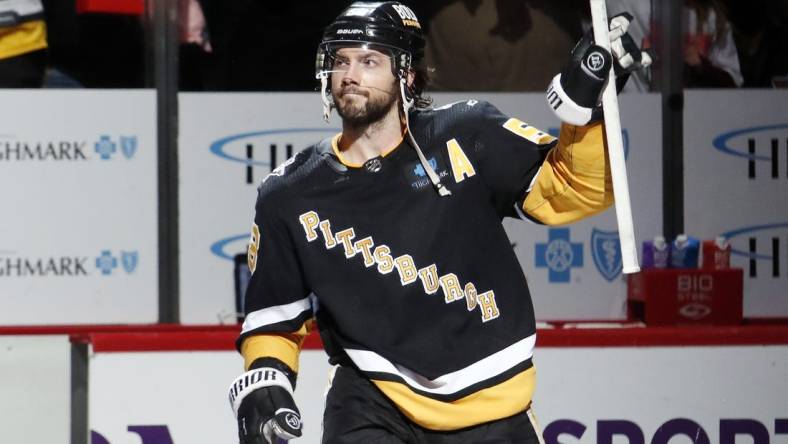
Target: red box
x: 132, y: 7
x: 677, y: 296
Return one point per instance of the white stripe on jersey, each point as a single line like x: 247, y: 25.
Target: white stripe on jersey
x: 533, y: 181
x: 277, y: 313
x: 517, y: 206
x: 453, y: 382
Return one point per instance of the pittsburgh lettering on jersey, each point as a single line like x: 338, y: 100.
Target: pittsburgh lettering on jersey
x: 407, y: 270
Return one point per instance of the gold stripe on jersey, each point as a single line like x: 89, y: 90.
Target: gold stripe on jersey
x: 23, y: 38
x: 499, y: 401
x: 574, y: 181
x: 340, y: 154
x: 285, y: 347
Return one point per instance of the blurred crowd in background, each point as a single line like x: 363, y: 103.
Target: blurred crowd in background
x: 473, y: 45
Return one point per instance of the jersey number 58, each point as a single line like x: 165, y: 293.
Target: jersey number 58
x: 254, y: 246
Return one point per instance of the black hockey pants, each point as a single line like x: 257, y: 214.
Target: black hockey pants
x: 358, y: 413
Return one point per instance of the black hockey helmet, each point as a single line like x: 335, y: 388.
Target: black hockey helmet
x: 388, y: 26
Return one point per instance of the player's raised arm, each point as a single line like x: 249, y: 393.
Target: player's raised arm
x: 574, y: 181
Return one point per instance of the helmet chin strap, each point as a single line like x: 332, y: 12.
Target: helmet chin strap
x: 407, y: 104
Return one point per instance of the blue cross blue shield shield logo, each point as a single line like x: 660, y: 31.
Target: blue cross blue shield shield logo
x: 419, y: 170
x: 130, y: 259
x: 559, y: 255
x: 128, y: 145
x: 606, y: 248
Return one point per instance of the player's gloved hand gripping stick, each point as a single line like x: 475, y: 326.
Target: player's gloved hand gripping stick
x: 262, y: 400
x: 574, y: 97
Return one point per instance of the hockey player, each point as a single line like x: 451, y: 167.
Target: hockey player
x: 389, y: 235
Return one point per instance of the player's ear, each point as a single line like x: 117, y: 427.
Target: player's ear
x: 411, y: 78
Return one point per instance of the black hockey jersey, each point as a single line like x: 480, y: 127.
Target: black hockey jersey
x: 421, y: 293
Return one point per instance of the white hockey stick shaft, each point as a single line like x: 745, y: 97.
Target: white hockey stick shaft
x: 615, y: 145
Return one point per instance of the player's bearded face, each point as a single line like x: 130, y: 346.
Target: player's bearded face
x: 361, y: 106
x: 362, y: 85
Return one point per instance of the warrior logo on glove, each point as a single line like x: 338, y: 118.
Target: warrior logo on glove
x: 574, y: 93
x: 293, y: 420
x: 596, y: 61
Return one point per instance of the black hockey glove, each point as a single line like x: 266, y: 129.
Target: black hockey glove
x: 262, y: 400
x: 574, y: 94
